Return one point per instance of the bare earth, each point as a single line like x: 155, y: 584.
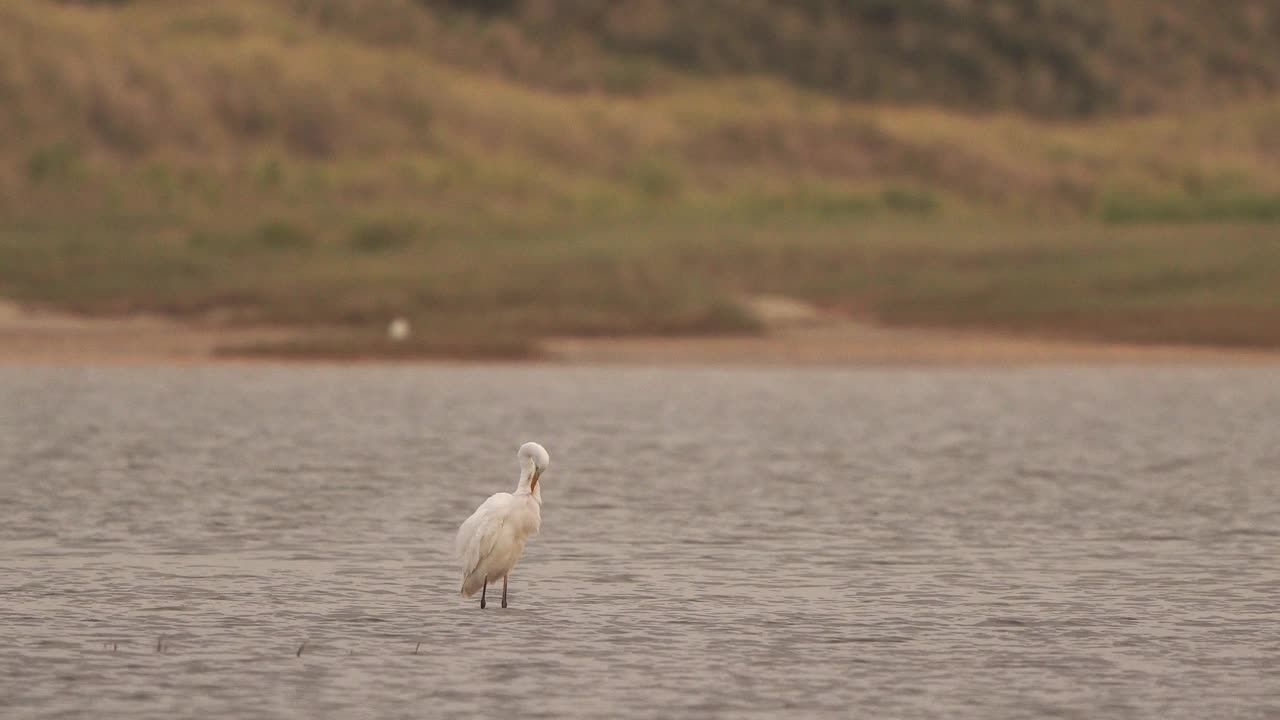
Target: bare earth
x: 40, y: 337
x: 798, y: 335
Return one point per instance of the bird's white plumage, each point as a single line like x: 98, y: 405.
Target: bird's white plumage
x: 491, y: 541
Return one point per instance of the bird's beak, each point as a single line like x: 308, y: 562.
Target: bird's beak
x: 537, y: 473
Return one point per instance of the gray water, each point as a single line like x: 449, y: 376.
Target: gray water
x: 889, y: 543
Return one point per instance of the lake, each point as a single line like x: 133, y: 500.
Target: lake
x: 875, y: 542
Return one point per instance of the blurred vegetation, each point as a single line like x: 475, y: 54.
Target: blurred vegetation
x: 1061, y: 58
x: 502, y: 170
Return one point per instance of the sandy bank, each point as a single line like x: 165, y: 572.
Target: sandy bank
x: 797, y: 335
x: 41, y: 337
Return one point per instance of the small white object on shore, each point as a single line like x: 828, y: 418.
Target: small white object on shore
x: 398, y: 330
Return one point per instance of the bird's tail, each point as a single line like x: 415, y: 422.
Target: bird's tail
x: 471, y: 584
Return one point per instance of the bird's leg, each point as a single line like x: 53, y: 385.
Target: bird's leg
x: 486, y: 587
x: 504, y: 591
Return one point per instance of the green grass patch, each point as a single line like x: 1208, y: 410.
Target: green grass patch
x: 911, y: 201
x: 489, y: 291
x: 54, y: 163
x: 283, y: 235
x: 655, y: 177
x: 383, y: 235
x: 1234, y: 206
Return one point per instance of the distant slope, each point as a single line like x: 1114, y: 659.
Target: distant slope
x: 145, y: 103
x: 1051, y: 58
x: 1061, y: 58
x: 503, y: 175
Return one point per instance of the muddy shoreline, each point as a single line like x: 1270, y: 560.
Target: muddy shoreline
x: 795, y: 336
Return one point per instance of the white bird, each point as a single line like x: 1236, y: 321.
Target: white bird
x: 398, y: 330
x: 491, y: 541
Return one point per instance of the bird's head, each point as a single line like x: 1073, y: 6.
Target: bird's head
x: 533, y: 462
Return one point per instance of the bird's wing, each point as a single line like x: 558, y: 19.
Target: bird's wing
x: 479, y: 533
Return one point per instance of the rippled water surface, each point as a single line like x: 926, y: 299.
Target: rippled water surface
x: 858, y: 543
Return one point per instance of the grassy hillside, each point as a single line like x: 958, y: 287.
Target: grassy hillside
x: 336, y: 162
x: 1060, y: 58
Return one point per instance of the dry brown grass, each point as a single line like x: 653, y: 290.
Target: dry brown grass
x: 188, y: 107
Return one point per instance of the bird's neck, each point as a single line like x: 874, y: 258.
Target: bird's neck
x: 525, y: 485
